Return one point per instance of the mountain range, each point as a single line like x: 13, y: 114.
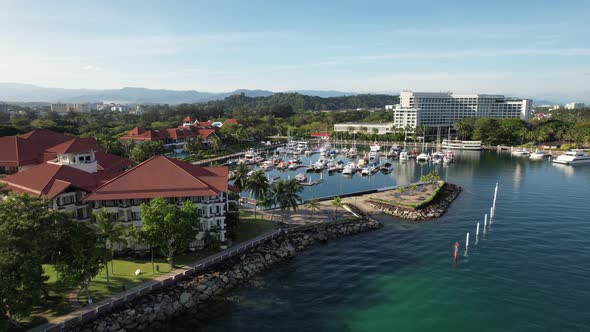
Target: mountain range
x: 18, y: 92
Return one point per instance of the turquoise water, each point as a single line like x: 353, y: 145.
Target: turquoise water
x: 531, y: 271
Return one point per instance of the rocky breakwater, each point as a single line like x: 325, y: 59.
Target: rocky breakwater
x: 434, y: 209
x: 152, y: 310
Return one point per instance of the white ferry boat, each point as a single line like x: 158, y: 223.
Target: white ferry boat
x: 573, y: 157
x: 461, y: 145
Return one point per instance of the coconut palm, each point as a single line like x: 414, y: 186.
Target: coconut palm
x: 286, y: 194
x: 257, y: 185
x: 313, y: 205
x: 241, y: 176
x: 336, y: 203
x: 268, y: 201
x: 111, y: 232
x: 215, y: 143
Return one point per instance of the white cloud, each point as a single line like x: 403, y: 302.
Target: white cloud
x: 92, y: 68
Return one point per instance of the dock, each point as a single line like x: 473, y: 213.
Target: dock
x: 312, y: 183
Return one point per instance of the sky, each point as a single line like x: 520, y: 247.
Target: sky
x: 533, y: 48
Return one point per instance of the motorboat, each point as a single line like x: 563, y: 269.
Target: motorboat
x: 573, y: 157
x: 293, y: 167
x: 538, y: 155
x: 365, y: 171
x: 423, y: 157
x: 301, y: 177
x: 348, y: 170
x: 403, y: 156
x: 294, y: 160
x: 361, y: 163
x: 332, y: 169
x: 267, y: 165
x: 387, y: 167
x: 352, y: 152
x: 520, y: 152
x: 374, y: 156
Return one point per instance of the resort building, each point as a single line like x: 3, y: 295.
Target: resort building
x: 18, y: 153
x: 63, y: 108
x: 172, y: 138
x: 77, y: 177
x: 442, y: 109
x: 368, y: 128
x: 174, y: 180
x: 574, y: 106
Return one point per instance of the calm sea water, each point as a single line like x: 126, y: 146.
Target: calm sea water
x: 530, y: 272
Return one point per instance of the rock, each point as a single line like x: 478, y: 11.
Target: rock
x: 185, y: 297
x: 201, y: 288
x: 102, y: 326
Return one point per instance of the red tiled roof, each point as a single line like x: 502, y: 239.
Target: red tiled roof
x: 50, y: 180
x: 16, y: 152
x: 174, y: 179
x: 28, y: 148
x: 75, y: 145
x: 111, y: 163
x: 163, y: 134
x: 234, y: 121
x: 320, y: 134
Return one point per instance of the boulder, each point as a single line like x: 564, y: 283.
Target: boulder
x: 185, y: 297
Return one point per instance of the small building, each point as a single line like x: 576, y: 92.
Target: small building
x: 368, y: 128
x: 321, y: 135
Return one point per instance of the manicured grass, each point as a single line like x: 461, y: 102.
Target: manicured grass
x: 249, y: 227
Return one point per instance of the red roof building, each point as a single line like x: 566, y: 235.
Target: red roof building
x: 176, y: 181
x: 38, y: 146
x: 173, y: 138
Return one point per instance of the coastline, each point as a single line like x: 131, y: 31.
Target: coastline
x: 153, y: 309
x: 432, y: 210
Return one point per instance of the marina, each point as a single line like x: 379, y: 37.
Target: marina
x: 515, y: 264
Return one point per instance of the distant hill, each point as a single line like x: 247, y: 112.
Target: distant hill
x: 300, y: 102
x: 17, y: 92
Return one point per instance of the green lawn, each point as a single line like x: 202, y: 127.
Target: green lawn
x: 122, y: 272
x: 249, y: 227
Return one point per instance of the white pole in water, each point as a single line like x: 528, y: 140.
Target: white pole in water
x: 485, y: 223
x: 491, y: 214
x: 477, y: 230
x: 467, y: 241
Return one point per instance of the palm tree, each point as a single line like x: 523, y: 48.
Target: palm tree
x: 240, y: 176
x: 111, y: 232
x: 215, y: 144
x: 269, y: 201
x: 257, y: 185
x: 313, y: 205
x: 336, y: 203
x: 286, y: 194
x: 400, y: 191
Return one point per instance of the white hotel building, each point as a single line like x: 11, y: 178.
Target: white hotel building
x: 442, y: 109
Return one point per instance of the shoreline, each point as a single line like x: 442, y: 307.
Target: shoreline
x: 437, y: 207
x: 153, y: 309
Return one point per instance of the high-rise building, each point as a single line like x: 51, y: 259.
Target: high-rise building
x: 574, y: 106
x: 442, y: 109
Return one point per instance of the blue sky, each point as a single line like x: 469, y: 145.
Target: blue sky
x: 528, y: 48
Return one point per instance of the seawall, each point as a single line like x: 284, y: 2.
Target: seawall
x: 153, y: 309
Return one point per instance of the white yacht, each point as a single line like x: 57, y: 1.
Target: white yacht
x: 423, y: 157
x: 520, y: 152
x: 573, y: 157
x: 403, y: 156
x: 301, y: 177
x: 374, y: 152
x: 537, y: 155
x: 461, y: 145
